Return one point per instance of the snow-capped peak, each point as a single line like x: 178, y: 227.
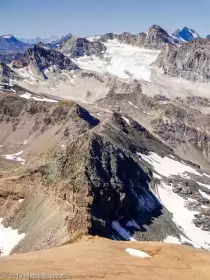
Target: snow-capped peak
x: 186, y: 34
x: 9, y: 36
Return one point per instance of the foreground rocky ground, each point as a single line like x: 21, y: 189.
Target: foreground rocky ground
x: 96, y: 258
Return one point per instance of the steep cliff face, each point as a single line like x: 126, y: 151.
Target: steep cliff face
x: 74, y: 183
x: 6, y: 73
x: 81, y: 189
x: 157, y: 37
x: 39, y: 58
x: 77, y: 47
x: 176, y: 122
x: 134, y: 40
x: 185, y: 130
x: 76, y: 176
x: 190, y: 61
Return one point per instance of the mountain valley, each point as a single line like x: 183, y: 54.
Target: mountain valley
x: 106, y: 137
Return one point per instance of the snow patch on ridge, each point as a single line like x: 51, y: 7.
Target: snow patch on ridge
x: 137, y: 253
x: 29, y: 96
x: 183, y: 217
x: 204, y: 195
x: 167, y: 166
x: 9, y: 238
x: 93, y: 38
x: 126, y: 120
x: 203, y: 185
x: 132, y: 104
x: 15, y: 157
x: 172, y: 239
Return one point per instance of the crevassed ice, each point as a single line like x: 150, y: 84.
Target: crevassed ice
x: 122, y: 60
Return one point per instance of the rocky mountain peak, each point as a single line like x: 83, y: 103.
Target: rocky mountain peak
x: 190, y: 61
x: 158, y: 29
x: 157, y: 37
x: 106, y: 37
x: 6, y: 73
x: 186, y: 34
x: 40, y: 58
x: 77, y: 47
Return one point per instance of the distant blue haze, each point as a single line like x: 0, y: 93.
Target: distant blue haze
x: 44, y: 18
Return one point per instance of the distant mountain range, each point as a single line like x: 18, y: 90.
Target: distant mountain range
x: 9, y: 44
x: 12, y: 48
x: 50, y: 40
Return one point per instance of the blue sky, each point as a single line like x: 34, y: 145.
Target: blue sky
x: 44, y: 18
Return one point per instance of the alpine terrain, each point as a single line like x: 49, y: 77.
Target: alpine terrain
x: 105, y: 155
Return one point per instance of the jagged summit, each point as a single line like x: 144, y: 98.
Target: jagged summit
x: 157, y: 37
x: 6, y: 74
x: 77, y: 47
x: 186, y: 34
x: 40, y: 57
x: 128, y: 159
x: 9, y: 36
x: 190, y: 61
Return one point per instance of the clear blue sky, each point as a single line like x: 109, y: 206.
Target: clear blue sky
x: 31, y: 18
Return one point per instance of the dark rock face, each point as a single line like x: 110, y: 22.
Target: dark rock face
x: 106, y: 37
x: 77, y: 47
x: 140, y: 39
x: 41, y: 58
x: 6, y: 73
x: 135, y: 40
x: 96, y: 179
x: 178, y: 124
x: 190, y: 61
x: 157, y: 37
